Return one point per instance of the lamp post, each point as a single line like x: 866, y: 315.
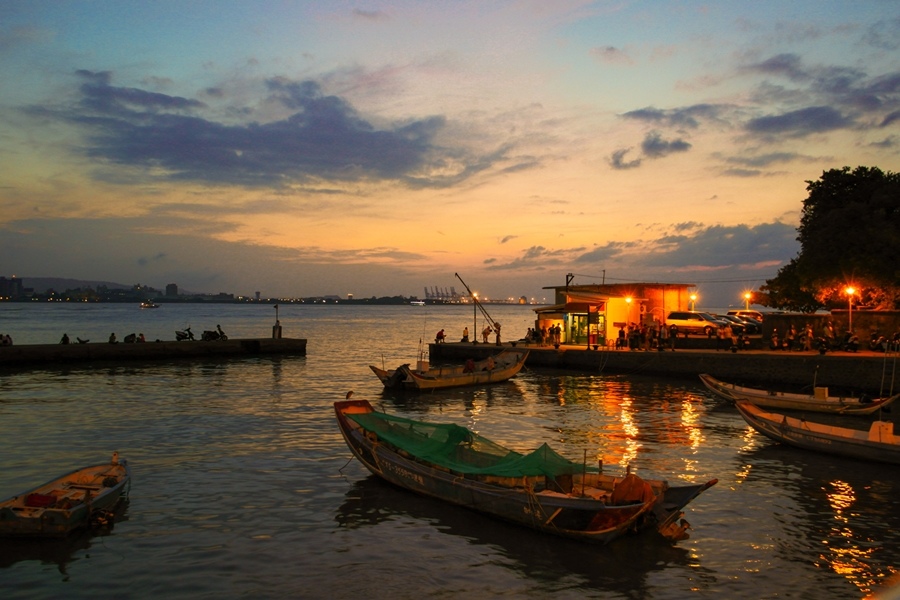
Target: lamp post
x: 693, y: 300
x: 850, y: 291
x: 747, y: 297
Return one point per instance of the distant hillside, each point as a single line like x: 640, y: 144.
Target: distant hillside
x: 61, y: 284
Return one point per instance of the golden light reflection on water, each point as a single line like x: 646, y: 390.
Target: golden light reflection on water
x: 626, y: 418
x: 690, y: 419
x: 845, y: 552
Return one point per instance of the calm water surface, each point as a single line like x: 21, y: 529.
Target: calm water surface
x: 243, y: 486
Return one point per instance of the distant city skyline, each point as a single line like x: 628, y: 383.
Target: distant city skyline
x: 315, y: 148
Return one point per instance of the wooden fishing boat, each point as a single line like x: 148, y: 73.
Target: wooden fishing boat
x: 66, y: 503
x: 820, y: 401
x: 493, y: 369
x: 541, y: 490
x: 878, y: 444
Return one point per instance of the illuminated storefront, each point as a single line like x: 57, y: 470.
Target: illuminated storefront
x: 591, y: 315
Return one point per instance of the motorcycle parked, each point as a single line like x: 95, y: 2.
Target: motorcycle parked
x: 180, y: 336
x: 212, y: 336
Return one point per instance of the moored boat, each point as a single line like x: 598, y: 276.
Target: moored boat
x: 493, y: 369
x: 819, y: 401
x: 67, y: 503
x: 878, y: 443
x: 541, y: 490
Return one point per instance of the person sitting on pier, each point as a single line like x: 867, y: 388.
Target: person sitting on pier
x: 439, y: 337
x: 65, y: 339
x: 112, y: 338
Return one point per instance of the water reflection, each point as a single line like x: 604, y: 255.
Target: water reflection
x: 844, y: 509
x: 614, y: 421
x: 60, y: 552
x: 622, y: 567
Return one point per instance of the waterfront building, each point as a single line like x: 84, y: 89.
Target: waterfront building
x: 592, y: 314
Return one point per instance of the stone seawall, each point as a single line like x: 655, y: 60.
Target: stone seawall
x: 845, y: 372
x: 49, y: 354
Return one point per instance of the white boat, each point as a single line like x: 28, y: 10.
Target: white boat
x: 877, y: 444
x: 819, y: 401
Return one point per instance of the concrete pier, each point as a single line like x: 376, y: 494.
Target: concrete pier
x: 870, y: 372
x: 49, y: 354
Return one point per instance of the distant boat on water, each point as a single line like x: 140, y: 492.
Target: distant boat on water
x: 417, y: 302
x: 148, y: 304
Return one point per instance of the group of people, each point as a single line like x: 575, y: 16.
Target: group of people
x: 5, y: 339
x: 801, y: 340
x: 646, y: 337
x: 129, y: 339
x: 728, y: 338
x: 488, y: 330
x: 441, y: 337
x: 805, y: 339
x: 545, y: 335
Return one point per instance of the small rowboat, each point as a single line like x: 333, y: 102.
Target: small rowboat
x: 820, y: 401
x: 67, y: 503
x: 493, y: 369
x: 878, y: 444
x: 541, y: 490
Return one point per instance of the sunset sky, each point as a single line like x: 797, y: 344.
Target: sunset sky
x: 375, y: 148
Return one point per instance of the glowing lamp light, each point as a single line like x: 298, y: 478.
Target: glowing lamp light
x: 850, y: 291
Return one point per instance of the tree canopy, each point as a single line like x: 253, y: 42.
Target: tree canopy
x: 849, y: 237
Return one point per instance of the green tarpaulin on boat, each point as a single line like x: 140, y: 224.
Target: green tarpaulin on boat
x: 460, y: 450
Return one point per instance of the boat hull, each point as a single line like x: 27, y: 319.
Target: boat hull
x: 876, y: 445
x: 495, y: 369
x: 789, y: 401
x: 560, y: 514
x: 65, y: 504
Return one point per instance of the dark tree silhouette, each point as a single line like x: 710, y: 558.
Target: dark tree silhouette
x: 849, y: 235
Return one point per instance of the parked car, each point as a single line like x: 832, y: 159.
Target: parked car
x: 753, y: 314
x: 694, y: 322
x: 738, y: 325
x: 753, y: 326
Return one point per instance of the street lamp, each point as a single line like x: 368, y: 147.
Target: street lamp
x: 693, y: 300
x: 747, y: 296
x: 850, y: 291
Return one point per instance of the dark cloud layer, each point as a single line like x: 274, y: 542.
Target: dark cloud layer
x: 655, y: 146
x: 323, y: 139
x: 815, y: 119
x: 691, y: 248
x: 792, y: 100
